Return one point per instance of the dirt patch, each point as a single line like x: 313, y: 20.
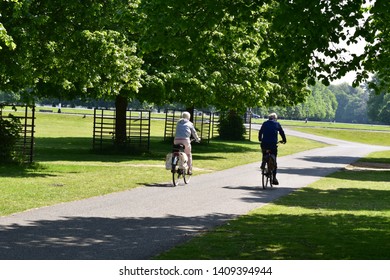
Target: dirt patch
x: 369, y: 166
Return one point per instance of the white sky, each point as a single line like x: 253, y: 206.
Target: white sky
x: 350, y: 76
x: 357, y: 49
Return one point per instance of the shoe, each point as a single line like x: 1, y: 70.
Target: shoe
x: 275, y: 181
x: 189, y: 173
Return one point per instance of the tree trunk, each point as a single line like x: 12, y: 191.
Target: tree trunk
x: 191, y: 111
x: 121, y: 103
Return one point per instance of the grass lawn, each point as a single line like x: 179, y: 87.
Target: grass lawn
x: 381, y: 138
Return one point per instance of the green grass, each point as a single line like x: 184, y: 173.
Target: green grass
x: 381, y: 157
x: 367, y: 137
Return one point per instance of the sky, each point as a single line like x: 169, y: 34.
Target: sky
x: 357, y: 49
x: 350, y: 76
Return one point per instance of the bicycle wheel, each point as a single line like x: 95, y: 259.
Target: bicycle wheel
x: 176, y: 175
x: 265, y: 177
x: 267, y: 174
x: 186, y: 177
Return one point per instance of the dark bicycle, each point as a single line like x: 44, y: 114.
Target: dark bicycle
x: 268, y: 171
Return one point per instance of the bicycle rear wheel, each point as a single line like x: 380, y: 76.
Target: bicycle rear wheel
x: 270, y: 178
x: 270, y: 168
x: 267, y: 173
x: 176, y: 176
x: 265, y: 177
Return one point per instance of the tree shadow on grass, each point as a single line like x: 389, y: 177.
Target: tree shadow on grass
x: 24, y: 171
x: 294, y: 237
x: 338, y: 199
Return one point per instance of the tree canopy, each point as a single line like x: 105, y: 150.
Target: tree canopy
x: 229, y: 54
x: 70, y: 48
x: 378, y: 105
x: 240, y: 54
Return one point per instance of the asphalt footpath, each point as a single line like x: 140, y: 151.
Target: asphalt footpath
x: 143, y: 222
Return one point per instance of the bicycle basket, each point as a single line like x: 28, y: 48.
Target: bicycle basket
x: 168, y: 161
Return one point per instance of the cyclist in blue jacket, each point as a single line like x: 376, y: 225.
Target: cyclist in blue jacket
x: 268, y: 138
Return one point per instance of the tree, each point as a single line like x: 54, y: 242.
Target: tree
x: 235, y: 53
x: 199, y: 53
x: 72, y: 49
x: 321, y: 104
x: 230, y: 54
x: 10, y: 129
x: 375, y: 59
x: 5, y: 39
x: 352, y: 103
x: 231, y: 126
x: 378, y: 105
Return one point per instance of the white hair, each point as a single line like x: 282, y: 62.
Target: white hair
x: 272, y: 116
x: 186, y: 115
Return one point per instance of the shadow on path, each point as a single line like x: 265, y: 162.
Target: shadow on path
x: 85, y: 238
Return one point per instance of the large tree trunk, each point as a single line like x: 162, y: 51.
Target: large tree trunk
x: 121, y: 103
x: 191, y: 111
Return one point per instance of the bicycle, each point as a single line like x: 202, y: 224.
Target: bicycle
x: 268, y: 172
x: 178, y: 172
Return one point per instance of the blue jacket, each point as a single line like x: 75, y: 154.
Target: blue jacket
x: 268, y: 133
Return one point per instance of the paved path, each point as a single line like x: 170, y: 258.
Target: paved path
x: 140, y: 223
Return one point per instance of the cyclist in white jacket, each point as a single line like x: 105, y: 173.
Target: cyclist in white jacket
x: 184, y: 130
